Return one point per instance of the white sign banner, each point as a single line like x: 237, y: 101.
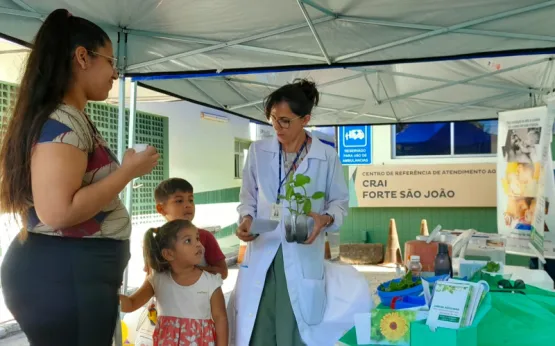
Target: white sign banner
x: 524, y: 138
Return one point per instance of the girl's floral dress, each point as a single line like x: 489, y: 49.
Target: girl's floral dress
x: 184, y: 314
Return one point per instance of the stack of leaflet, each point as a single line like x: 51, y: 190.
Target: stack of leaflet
x: 455, y: 302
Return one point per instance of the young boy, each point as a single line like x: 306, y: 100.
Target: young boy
x: 174, y: 200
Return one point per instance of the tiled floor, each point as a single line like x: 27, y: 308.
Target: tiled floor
x: 374, y: 274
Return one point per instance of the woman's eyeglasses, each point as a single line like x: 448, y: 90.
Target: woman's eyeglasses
x: 284, y: 123
x: 113, y: 61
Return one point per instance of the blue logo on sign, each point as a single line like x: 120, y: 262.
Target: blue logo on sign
x: 355, y: 145
x: 355, y: 137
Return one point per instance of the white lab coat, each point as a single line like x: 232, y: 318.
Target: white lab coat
x: 323, y: 308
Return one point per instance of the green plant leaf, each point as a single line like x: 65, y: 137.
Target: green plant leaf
x: 282, y: 197
x: 492, y: 267
x: 318, y: 195
x: 289, y: 192
x: 299, y: 196
x: 301, y: 180
x: 292, y: 211
x: 307, y: 206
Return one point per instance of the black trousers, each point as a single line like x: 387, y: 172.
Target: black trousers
x: 64, y: 291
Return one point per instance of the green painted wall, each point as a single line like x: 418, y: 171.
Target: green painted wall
x: 218, y: 196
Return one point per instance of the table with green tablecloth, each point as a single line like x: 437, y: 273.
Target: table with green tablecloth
x: 514, y: 320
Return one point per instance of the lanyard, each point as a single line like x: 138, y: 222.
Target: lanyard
x: 290, y: 168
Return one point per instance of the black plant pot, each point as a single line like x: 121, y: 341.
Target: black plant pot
x: 297, y: 228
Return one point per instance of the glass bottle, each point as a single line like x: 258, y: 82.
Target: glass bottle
x: 442, y: 263
x: 415, y: 266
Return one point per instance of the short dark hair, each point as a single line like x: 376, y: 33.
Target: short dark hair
x: 168, y: 187
x: 301, y: 96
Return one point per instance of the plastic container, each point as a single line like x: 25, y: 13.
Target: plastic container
x: 494, y: 277
x: 387, y: 297
x: 415, y: 267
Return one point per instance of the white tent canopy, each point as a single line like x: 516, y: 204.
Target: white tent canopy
x: 373, y: 60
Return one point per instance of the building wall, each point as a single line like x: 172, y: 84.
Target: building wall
x: 202, y: 152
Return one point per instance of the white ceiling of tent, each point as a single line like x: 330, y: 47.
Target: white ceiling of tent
x: 373, y: 41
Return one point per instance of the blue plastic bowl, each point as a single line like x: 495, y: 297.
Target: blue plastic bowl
x: 386, y: 297
x: 410, y: 302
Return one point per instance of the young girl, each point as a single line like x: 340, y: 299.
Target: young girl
x: 191, y: 305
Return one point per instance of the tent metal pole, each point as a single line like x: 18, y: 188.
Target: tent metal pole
x: 447, y: 30
x: 314, y: 32
x: 443, y: 80
x: 274, y: 87
x: 466, y: 80
x: 121, y: 119
x: 463, y: 105
x: 199, y: 89
x: 122, y: 62
x: 320, y: 8
x: 234, y: 88
x: 21, y: 13
x: 227, y: 44
x: 477, y: 32
x: 130, y: 144
x: 245, y: 105
x: 152, y: 34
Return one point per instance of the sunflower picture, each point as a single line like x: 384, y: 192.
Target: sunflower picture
x: 392, y: 327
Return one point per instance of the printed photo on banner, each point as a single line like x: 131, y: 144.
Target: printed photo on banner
x: 524, y: 147
x: 521, y: 145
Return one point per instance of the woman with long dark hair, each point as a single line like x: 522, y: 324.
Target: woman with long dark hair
x: 61, y: 276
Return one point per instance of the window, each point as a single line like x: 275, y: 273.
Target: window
x: 241, y: 150
x: 476, y: 138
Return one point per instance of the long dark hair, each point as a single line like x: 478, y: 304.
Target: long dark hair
x: 158, y: 239
x: 47, y: 78
x: 301, y: 96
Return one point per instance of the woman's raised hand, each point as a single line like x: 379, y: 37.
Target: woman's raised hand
x: 139, y: 164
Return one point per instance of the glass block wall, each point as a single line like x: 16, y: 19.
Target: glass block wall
x: 150, y: 129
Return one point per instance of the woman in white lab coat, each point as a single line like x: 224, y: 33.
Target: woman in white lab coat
x: 280, y: 297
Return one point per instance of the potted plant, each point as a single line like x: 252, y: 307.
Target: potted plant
x: 297, y: 226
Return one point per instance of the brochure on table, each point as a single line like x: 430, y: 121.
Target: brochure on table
x: 454, y: 303
x: 523, y: 164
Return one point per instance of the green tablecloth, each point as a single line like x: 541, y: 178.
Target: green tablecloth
x: 514, y: 320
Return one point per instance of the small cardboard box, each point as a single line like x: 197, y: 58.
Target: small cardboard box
x: 421, y: 335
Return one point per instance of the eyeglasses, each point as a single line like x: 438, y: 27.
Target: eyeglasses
x: 506, y: 284
x: 113, y: 61
x: 284, y: 123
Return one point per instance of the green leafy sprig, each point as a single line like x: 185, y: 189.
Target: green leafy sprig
x: 295, y: 193
x: 405, y: 283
